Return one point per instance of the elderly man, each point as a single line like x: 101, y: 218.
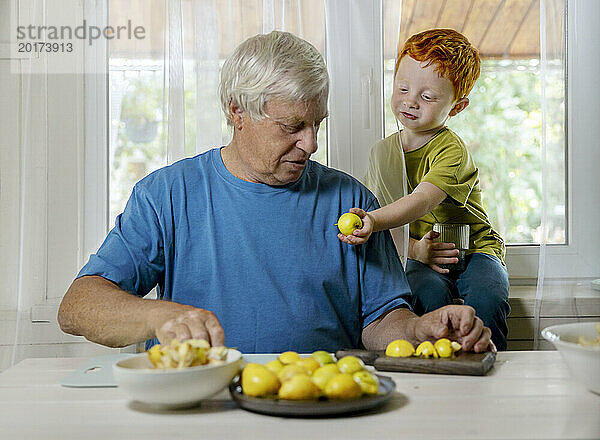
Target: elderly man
x: 240, y: 240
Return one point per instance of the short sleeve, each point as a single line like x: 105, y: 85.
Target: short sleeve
x: 385, y: 172
x: 454, y: 172
x: 132, y: 255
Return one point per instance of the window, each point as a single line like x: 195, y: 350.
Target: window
x: 356, y: 58
x: 502, y: 126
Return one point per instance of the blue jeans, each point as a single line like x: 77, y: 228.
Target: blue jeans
x: 483, y: 285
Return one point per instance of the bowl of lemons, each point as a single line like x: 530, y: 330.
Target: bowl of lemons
x: 177, y: 375
x: 316, y: 384
x: 579, y: 346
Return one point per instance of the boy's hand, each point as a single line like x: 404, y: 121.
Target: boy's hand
x: 432, y: 253
x: 359, y: 236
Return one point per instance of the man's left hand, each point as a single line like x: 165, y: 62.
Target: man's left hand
x: 457, y: 323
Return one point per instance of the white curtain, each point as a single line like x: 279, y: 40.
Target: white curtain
x: 194, y: 69
x: 551, y: 290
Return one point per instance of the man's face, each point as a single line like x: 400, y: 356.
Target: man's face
x: 421, y: 99
x: 275, y: 150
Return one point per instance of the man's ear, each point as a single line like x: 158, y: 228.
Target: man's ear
x: 236, y: 114
x: 460, y: 105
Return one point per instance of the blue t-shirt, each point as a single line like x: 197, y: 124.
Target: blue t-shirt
x: 265, y: 259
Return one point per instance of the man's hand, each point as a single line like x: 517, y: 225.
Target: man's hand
x: 432, y: 253
x: 359, y: 236
x: 191, y: 323
x: 457, y: 323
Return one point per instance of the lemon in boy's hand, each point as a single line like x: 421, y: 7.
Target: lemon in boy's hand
x: 348, y: 222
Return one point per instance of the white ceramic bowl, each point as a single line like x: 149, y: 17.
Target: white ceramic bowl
x: 174, y: 388
x: 583, y: 362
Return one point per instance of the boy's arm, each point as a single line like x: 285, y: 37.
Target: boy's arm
x: 411, y: 207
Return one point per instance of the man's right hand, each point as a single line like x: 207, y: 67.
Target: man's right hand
x: 432, y: 253
x: 191, y: 323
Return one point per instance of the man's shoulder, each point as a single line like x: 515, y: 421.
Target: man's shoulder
x: 177, y: 173
x: 331, y: 177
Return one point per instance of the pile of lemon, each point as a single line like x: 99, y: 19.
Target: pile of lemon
x: 442, y: 348
x: 189, y: 353
x: 292, y: 377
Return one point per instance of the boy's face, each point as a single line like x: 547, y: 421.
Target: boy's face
x: 421, y: 99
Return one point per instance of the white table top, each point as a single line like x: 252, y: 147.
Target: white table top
x: 526, y: 395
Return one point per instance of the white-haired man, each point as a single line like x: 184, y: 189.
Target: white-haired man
x: 240, y: 240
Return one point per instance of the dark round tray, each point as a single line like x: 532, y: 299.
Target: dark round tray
x: 312, y: 408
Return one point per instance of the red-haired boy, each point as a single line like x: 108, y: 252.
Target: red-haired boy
x: 435, y: 71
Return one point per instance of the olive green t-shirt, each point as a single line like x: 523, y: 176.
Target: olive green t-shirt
x: 445, y: 162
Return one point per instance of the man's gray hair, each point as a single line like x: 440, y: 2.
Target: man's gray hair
x: 267, y: 66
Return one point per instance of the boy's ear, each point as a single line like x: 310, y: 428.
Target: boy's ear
x: 236, y: 115
x: 460, y: 105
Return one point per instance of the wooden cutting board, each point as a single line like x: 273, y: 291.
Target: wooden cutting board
x: 467, y: 364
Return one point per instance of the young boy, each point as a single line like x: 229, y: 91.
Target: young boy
x: 435, y: 71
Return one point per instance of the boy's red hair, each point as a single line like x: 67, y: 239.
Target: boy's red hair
x: 455, y: 58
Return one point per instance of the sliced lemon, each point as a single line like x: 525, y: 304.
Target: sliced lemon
x: 426, y: 349
x: 399, y: 348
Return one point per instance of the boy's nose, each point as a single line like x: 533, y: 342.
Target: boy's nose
x: 410, y: 102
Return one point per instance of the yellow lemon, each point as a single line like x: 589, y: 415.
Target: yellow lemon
x: 310, y: 363
x: 348, y: 222
x: 259, y: 381
x: 350, y: 364
x: 275, y: 366
x: 289, y: 357
x: 443, y: 348
x: 342, y: 386
x: 324, y: 374
x: 399, y: 348
x: 154, y: 354
x: 426, y: 349
x: 323, y: 357
x: 299, y: 387
x: 455, y: 346
x: 369, y: 384
x: 289, y: 371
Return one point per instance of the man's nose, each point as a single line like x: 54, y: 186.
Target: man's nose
x: 308, y: 140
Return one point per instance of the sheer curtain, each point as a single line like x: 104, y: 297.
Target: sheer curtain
x: 552, y: 291
x: 195, y: 68
x: 164, y: 90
